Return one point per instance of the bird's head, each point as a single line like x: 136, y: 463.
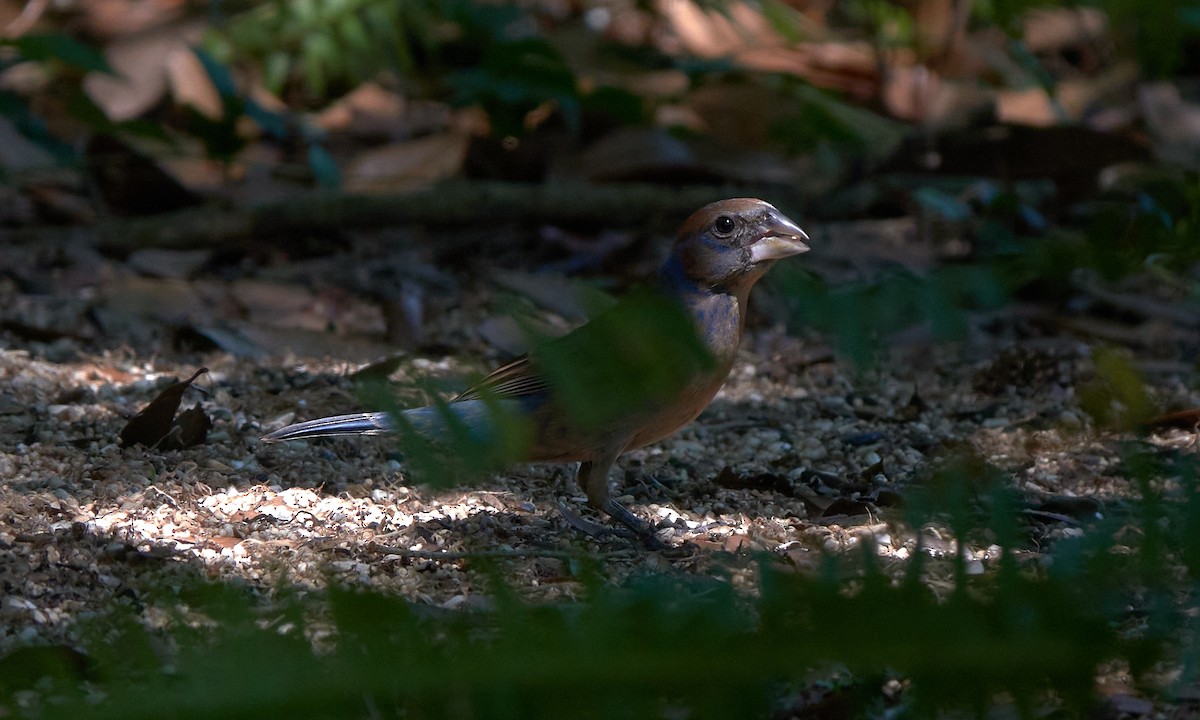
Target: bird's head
x: 728, y: 245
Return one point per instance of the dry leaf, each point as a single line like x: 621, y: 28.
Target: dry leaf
x: 140, y: 63
x: 1026, y: 107
x: 175, y: 264
x: 225, y: 542
x: 407, y: 165
x: 193, y: 426
x: 153, y: 423
x: 190, y: 84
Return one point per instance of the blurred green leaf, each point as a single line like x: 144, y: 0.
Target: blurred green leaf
x: 323, y: 166
x: 628, y: 359
x: 620, y: 105
x: 218, y: 73
x: 16, y: 109
x: 1023, y: 635
x: 515, y: 77
x: 785, y: 20
x: 60, y: 48
x: 858, y: 316
x: 1116, y: 397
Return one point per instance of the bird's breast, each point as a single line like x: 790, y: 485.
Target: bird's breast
x: 719, y: 321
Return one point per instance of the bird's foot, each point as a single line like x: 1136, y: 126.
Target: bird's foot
x: 634, y: 528
x: 642, y: 529
x: 583, y: 525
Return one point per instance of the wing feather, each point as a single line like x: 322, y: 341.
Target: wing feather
x: 518, y: 379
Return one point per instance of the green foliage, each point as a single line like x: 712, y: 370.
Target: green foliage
x: 1155, y: 217
x: 221, y: 137
x: 444, y: 444
x: 610, y: 368
x: 1148, y: 224
x: 614, y: 365
x: 514, y: 77
x: 824, y: 120
x: 1116, y: 397
x: 59, y: 49
x: 324, y: 44
x: 63, y: 57
x: 1033, y: 634
x: 1156, y: 32
x: 859, y: 315
x: 892, y: 23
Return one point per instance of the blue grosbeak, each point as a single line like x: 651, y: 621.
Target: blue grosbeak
x: 628, y: 377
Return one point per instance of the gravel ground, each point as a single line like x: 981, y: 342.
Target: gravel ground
x: 786, y: 460
x: 798, y: 453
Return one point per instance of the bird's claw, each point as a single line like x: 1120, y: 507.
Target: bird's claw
x: 583, y: 525
x: 632, y: 527
x: 642, y: 529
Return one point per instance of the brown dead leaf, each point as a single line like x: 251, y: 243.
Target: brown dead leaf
x: 737, y: 542
x: 128, y: 302
x: 193, y: 426
x: 153, y: 423
x: 408, y: 165
x: 226, y: 542
x: 1032, y: 106
x: 369, y: 109
x: 311, y: 343
x: 104, y: 19
x: 1173, y: 122
x: 270, y: 301
x: 706, y: 33
x: 140, y: 65
x: 941, y: 25
x: 1051, y: 29
x: 373, y: 112
x: 291, y: 306
x: 175, y: 264
x: 190, y: 84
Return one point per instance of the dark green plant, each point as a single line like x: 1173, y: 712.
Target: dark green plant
x: 66, y: 61
x: 324, y: 45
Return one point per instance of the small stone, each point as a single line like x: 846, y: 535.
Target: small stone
x: 1070, y: 419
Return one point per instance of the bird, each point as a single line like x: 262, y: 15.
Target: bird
x: 634, y: 374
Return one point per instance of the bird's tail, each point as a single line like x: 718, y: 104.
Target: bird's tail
x: 435, y: 423
x: 375, y: 423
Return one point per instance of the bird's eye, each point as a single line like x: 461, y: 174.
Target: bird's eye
x: 723, y: 225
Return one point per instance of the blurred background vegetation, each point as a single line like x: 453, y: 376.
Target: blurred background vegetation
x: 953, y: 157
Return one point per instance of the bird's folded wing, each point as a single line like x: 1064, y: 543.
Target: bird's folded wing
x: 518, y: 379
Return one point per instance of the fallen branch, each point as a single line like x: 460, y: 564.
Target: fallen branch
x: 446, y: 205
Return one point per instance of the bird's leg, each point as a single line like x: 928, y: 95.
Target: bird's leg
x: 587, y: 527
x: 593, y: 480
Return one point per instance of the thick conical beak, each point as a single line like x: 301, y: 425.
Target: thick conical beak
x: 780, y: 238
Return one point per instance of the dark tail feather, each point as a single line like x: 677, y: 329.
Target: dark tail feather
x: 376, y: 423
